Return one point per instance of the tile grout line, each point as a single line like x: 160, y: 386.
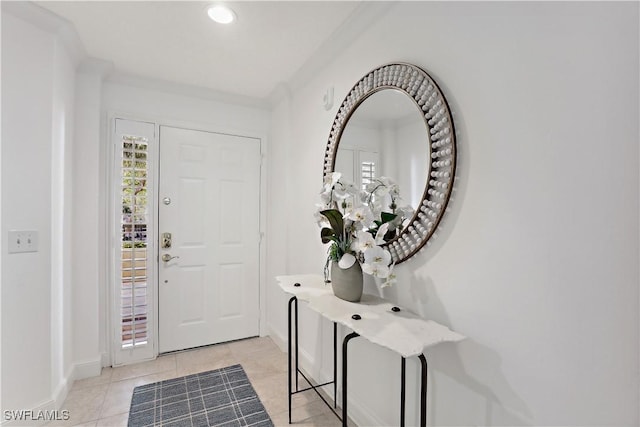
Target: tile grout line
x: 105, y: 398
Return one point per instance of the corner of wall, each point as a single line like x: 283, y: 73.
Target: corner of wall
x: 277, y: 338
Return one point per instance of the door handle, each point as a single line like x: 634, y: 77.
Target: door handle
x: 168, y: 257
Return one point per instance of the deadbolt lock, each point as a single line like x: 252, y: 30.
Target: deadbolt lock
x: 166, y: 241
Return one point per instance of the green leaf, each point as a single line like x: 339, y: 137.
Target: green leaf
x: 327, y: 235
x: 334, y: 253
x: 390, y: 235
x: 387, y: 217
x: 335, y: 219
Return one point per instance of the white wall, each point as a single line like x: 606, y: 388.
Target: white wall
x: 37, y: 127
x: 26, y: 204
x: 537, y: 259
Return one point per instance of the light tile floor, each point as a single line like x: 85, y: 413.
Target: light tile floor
x: 104, y: 400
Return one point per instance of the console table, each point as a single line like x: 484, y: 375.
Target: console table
x: 374, y: 319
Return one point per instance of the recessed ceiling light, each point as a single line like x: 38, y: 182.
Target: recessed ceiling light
x: 221, y: 14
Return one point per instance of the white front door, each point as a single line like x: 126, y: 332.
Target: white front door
x: 209, y: 202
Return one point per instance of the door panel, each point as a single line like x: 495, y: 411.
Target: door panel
x: 209, y: 293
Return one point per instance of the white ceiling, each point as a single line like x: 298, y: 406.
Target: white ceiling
x: 175, y: 41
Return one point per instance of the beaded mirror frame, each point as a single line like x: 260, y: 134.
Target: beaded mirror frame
x: 434, y: 109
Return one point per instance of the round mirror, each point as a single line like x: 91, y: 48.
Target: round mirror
x: 395, y: 126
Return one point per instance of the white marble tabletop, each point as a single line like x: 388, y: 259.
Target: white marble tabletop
x: 403, y: 332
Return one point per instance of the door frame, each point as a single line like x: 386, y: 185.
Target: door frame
x: 107, y: 304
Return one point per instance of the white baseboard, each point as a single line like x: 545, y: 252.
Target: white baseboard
x: 362, y: 416
x: 90, y: 368
x: 60, y: 394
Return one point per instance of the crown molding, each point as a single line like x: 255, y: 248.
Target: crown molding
x: 48, y: 22
x: 184, y: 90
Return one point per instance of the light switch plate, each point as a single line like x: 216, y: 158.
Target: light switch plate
x: 23, y: 241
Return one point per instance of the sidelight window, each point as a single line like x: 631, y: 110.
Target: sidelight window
x: 133, y: 241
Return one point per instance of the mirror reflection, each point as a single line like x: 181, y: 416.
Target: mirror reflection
x: 386, y: 137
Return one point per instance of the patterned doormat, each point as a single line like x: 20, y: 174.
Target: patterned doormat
x: 223, y: 397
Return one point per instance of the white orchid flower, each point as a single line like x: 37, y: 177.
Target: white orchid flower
x: 376, y: 207
x: 376, y: 270
x: 364, y: 240
x: 386, y: 181
x: 350, y: 188
x: 370, y: 187
x: 340, y: 191
x: 378, y: 256
x: 347, y: 188
x: 332, y: 178
x: 327, y: 189
x: 346, y: 261
x: 325, y: 198
x: 394, y: 190
x: 334, y: 189
x: 391, y: 277
x: 406, y: 213
x: 376, y: 262
x: 384, y: 229
x: 321, y: 220
x: 381, y: 191
x: 361, y: 215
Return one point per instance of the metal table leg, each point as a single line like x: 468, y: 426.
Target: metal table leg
x: 296, y: 327
x: 344, y: 375
x: 289, y: 351
x: 403, y: 383
x: 423, y: 391
x: 335, y: 365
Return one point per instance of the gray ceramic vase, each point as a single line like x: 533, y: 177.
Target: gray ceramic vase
x: 347, y: 283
